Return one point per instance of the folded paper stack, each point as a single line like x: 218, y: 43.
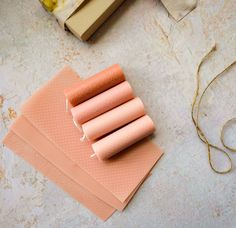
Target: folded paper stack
x: 45, y: 136
x: 81, y: 17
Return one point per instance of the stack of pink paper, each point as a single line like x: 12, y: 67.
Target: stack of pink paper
x: 45, y: 136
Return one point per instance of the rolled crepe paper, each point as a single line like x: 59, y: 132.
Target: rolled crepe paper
x: 102, y: 103
x: 94, y: 85
x: 123, y: 138
x: 113, y: 119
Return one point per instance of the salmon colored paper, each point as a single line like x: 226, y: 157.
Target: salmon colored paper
x: 94, y: 85
x: 113, y: 119
x: 119, y: 176
x: 24, y: 129
x: 103, y: 102
x: 123, y: 138
x: 21, y: 148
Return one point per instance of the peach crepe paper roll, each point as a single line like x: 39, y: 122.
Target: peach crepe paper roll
x: 102, y: 102
x: 113, y: 119
x: 123, y: 138
x: 94, y: 85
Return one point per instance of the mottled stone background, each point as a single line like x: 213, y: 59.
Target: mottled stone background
x: 159, y: 57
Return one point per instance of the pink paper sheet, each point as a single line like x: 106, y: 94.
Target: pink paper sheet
x: 21, y: 148
x: 49, y: 151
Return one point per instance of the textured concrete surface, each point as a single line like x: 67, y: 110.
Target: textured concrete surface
x: 159, y: 57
